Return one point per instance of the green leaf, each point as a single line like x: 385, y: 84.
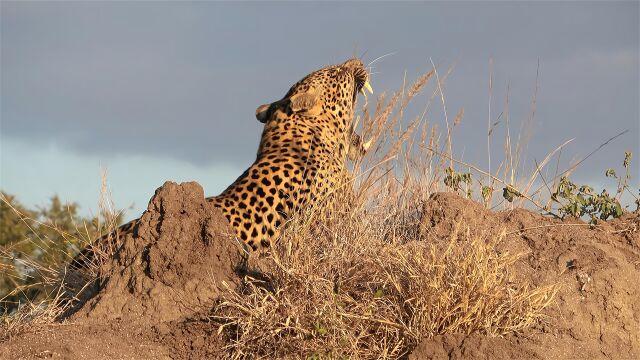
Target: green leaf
x: 379, y: 293
x: 510, y: 193
x: 618, y: 210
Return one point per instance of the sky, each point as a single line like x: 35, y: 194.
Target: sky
x: 156, y: 91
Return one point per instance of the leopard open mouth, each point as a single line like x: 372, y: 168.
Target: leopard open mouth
x: 361, y: 77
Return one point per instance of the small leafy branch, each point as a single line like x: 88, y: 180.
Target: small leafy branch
x: 623, y: 182
x: 454, y: 179
x: 579, y: 201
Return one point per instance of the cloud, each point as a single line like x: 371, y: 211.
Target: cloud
x: 181, y: 81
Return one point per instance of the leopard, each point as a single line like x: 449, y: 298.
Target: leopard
x: 307, y: 137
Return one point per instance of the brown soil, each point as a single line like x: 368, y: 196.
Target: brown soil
x: 597, y: 310
x: 169, y: 271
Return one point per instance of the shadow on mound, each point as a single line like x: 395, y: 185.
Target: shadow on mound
x: 172, y: 264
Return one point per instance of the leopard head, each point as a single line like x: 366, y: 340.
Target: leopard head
x: 332, y: 89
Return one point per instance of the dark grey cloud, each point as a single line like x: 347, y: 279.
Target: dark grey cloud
x: 183, y: 79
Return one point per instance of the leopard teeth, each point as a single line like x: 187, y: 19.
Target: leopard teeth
x: 368, y: 86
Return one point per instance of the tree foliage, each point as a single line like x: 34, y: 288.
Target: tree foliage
x: 36, y: 245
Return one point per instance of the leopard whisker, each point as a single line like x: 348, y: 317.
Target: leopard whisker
x: 380, y: 57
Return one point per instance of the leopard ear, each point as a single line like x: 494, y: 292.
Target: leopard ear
x: 303, y: 101
x: 262, y: 112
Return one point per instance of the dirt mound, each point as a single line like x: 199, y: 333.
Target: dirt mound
x: 597, y: 313
x: 172, y: 265
x: 170, y: 268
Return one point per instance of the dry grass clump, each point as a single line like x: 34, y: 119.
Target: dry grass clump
x: 29, y: 316
x: 360, y: 284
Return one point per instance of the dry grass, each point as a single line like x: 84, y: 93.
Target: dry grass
x: 365, y: 284
x: 29, y: 316
x: 98, y: 251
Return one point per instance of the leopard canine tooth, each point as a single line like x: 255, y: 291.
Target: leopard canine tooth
x: 367, y: 145
x: 368, y: 86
